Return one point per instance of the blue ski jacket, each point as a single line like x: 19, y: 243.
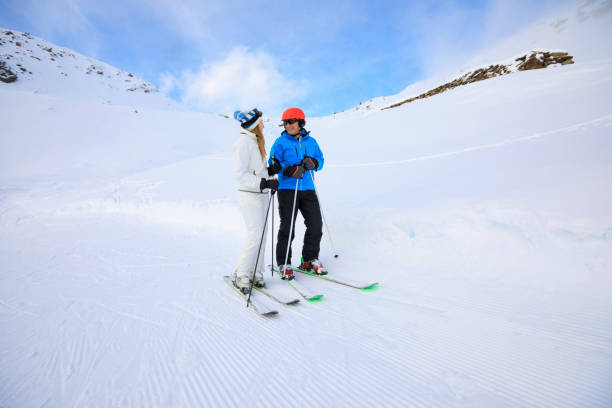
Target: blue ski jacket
x: 289, y: 151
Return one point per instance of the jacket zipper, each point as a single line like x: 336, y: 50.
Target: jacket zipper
x: 301, y: 157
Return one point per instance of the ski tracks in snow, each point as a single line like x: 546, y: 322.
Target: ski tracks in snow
x: 136, y: 314
x: 605, y: 121
x: 154, y: 332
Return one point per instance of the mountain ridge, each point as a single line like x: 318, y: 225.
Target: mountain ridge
x: 33, y: 64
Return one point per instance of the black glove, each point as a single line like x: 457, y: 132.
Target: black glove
x: 296, y: 171
x: 272, y: 184
x: 275, y: 168
x: 310, y: 163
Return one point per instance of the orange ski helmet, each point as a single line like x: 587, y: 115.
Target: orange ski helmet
x: 293, y: 113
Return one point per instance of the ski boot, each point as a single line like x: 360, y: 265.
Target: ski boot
x: 313, y: 266
x: 259, y: 280
x: 243, y: 283
x: 286, y: 272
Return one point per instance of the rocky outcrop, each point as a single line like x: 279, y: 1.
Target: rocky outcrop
x: 533, y: 60
x: 538, y: 60
x: 6, y: 75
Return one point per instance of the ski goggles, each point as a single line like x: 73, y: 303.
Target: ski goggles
x: 290, y: 121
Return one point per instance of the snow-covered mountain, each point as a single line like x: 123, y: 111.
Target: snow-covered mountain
x: 484, y: 212
x: 527, y: 62
x: 567, y: 31
x: 91, y: 119
x: 29, y: 63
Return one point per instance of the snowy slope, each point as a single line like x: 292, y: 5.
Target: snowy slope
x: 46, y: 68
x: 483, y: 212
x: 67, y: 116
x: 72, y: 140
x: 581, y: 29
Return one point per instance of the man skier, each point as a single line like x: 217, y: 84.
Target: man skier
x: 296, y: 155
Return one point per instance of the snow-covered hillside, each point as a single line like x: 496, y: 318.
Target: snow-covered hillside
x: 66, y: 116
x: 483, y: 212
x: 29, y: 63
x: 73, y: 140
x: 569, y: 30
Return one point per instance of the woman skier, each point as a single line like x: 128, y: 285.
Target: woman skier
x: 254, y: 182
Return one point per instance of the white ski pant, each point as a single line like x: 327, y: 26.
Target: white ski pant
x: 253, y: 207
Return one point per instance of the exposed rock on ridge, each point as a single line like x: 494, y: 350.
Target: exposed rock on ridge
x: 533, y: 60
x: 6, y: 75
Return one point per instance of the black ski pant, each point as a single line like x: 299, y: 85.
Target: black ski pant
x: 306, y: 203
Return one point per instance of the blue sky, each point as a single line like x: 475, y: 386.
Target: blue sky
x: 323, y: 56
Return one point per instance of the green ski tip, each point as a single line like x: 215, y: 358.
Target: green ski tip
x: 371, y: 287
x: 316, y: 298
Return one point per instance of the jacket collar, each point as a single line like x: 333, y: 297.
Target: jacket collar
x: 302, y: 131
x: 248, y: 134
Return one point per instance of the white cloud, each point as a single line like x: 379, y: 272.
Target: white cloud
x: 167, y: 83
x: 242, y: 80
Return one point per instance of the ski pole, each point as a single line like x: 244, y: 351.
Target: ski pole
x: 292, y: 218
x: 323, y: 216
x: 272, y: 235
x: 259, y: 250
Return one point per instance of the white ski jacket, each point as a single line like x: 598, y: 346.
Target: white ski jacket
x: 249, y: 170
x: 248, y: 166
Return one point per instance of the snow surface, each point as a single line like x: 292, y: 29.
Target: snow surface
x: 484, y: 213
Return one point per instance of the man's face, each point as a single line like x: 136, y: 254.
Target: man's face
x: 292, y: 128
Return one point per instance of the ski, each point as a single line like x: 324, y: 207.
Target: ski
x: 283, y: 299
x: 355, y: 285
x: 255, y: 304
x: 303, y: 291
